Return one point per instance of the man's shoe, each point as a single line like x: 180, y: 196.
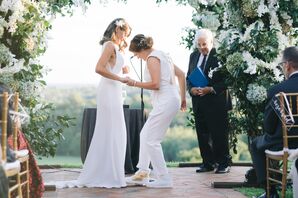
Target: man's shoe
x: 273, y: 195
x: 222, y: 169
x: 204, y: 168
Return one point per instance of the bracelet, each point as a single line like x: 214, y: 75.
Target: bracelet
x: 134, y: 83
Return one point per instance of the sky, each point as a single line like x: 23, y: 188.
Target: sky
x: 73, y: 45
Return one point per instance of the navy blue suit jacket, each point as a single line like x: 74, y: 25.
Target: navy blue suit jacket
x: 272, y: 138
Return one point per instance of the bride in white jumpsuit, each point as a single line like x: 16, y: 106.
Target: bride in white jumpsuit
x: 160, y: 78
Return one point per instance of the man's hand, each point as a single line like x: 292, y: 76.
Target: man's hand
x: 204, y: 91
x: 194, y: 91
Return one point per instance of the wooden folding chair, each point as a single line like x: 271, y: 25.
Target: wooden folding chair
x: 277, y: 161
x: 21, y: 155
x: 12, y: 170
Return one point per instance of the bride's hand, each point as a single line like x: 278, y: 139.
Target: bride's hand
x: 124, y: 80
x: 131, y: 82
x: 183, y: 105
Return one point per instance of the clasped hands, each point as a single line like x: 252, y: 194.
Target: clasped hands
x: 128, y: 81
x: 201, y: 91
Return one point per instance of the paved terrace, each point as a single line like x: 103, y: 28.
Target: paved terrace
x: 187, y: 184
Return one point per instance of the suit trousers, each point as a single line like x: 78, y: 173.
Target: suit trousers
x: 259, y: 161
x: 211, y: 121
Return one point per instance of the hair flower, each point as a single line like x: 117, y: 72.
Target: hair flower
x: 120, y: 23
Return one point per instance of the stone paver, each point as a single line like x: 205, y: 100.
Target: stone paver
x: 187, y: 184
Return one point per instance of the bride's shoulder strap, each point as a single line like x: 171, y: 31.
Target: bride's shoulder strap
x: 155, y: 54
x: 109, y: 45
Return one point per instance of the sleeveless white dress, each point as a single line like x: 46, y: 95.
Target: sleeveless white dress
x: 104, y: 164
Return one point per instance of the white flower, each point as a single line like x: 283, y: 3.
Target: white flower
x: 209, y: 20
x: 287, y: 18
x: 256, y: 93
x: 30, y: 44
x: 194, y: 3
x: 210, y: 74
x: 13, y: 5
x: 262, y: 9
x: 225, y: 22
x: 6, y: 57
x: 251, y: 62
x: 17, y: 65
x: 228, y: 37
x: 221, y: 2
x: 211, y: 2
x: 120, y: 23
x: 283, y: 41
x: 3, y: 25
x: 254, y: 63
x: 274, y: 21
x: 204, y: 2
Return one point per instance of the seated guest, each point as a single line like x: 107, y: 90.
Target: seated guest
x: 36, y: 183
x: 3, y: 179
x: 272, y: 138
x: 35, y: 178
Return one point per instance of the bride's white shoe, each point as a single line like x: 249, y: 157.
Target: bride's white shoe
x: 141, y: 177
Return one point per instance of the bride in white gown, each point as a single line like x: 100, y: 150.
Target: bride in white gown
x: 104, y: 164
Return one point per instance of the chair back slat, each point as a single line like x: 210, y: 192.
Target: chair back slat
x: 289, y: 130
x: 15, y: 121
x: 4, y: 110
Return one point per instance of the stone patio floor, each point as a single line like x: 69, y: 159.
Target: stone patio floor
x: 187, y: 184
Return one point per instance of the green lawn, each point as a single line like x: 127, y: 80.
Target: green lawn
x: 74, y: 161
x: 251, y: 192
x: 65, y: 161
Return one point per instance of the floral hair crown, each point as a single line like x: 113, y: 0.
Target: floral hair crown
x: 120, y: 23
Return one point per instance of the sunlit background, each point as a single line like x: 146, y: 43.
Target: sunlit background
x: 73, y: 47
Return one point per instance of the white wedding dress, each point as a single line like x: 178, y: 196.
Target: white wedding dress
x: 104, y: 164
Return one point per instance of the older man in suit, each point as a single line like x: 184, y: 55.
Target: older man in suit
x: 272, y: 138
x: 210, y: 105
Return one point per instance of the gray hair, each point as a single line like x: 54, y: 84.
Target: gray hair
x: 202, y: 33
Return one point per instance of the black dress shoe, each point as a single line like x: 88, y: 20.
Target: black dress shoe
x: 273, y: 195
x: 222, y: 169
x: 204, y: 168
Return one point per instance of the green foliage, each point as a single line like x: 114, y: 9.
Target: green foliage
x: 178, y: 142
x: 190, y: 118
x: 250, y: 37
x: 71, y: 100
x: 45, y: 128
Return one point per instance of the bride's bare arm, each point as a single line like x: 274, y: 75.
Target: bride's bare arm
x: 101, y: 66
x: 182, y: 85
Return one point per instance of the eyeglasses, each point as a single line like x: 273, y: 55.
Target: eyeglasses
x: 280, y: 65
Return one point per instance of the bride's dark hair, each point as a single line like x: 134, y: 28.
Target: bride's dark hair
x: 140, y: 42
x: 109, y: 34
